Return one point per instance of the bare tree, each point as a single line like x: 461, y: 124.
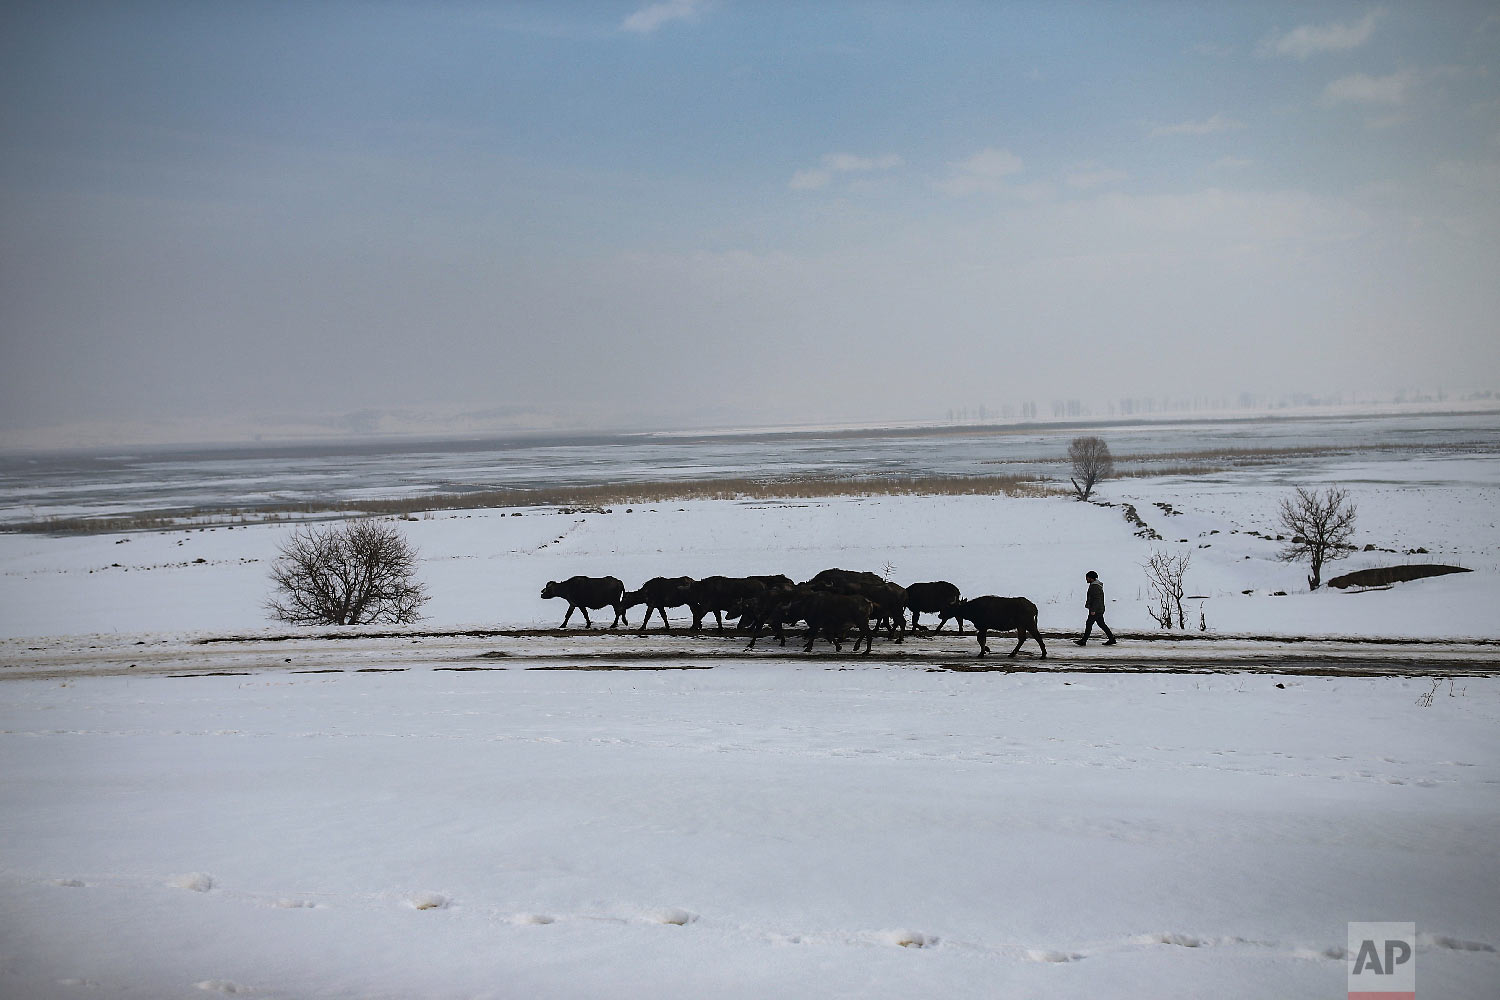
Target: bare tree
x: 355, y: 573
x: 1320, y: 524
x: 1091, y: 462
x: 1164, y: 572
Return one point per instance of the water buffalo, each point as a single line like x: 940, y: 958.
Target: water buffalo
x: 776, y: 607
x: 762, y: 605
x: 832, y: 615
x: 888, y: 605
x: 775, y: 581
x: 845, y: 581
x: 658, y: 594
x: 887, y: 598
x: 937, y: 596
x: 999, y: 614
x: 721, y: 594
x: 585, y: 592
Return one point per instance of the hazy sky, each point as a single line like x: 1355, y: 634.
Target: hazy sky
x: 243, y: 215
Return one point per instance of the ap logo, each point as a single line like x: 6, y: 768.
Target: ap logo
x: 1382, y: 961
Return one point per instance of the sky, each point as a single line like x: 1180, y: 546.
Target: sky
x: 224, y: 219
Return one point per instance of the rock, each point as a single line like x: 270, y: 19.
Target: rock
x: 1384, y: 576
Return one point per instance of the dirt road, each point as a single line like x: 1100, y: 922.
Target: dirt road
x: 355, y: 650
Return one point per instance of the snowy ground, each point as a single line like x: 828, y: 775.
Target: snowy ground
x: 785, y: 827
x: 711, y: 825
x: 487, y: 568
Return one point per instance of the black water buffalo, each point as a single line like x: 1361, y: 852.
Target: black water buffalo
x: 585, y: 592
x: 762, y: 605
x: 658, y: 594
x: 888, y: 605
x: 937, y: 596
x: 844, y: 581
x: 888, y: 599
x: 999, y: 614
x: 775, y: 581
x: 721, y: 594
x: 831, y: 616
x: 776, y: 607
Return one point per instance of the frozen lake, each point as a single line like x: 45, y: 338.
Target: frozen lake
x: 40, y: 485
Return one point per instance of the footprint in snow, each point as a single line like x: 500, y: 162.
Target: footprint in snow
x: 1452, y: 943
x: 532, y: 919
x: 671, y: 915
x: 908, y: 939
x: 428, y: 901
x: 69, y: 883
x: 222, y: 986
x: 194, y: 881
x: 1165, y: 937
x: 1054, y: 957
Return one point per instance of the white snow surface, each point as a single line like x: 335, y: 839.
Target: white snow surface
x: 487, y: 568
x: 790, y: 826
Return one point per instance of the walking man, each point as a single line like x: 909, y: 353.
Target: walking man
x: 1095, y: 603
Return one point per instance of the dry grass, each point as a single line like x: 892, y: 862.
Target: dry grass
x: 589, y: 496
x: 1170, y: 463
x: 1151, y: 471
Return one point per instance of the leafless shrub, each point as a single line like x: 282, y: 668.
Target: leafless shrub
x: 1091, y: 462
x: 1320, y: 524
x: 354, y: 573
x: 1164, y: 572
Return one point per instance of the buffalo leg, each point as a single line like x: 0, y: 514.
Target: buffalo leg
x: 983, y: 646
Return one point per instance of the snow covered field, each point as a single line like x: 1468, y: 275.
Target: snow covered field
x: 780, y: 828
x: 792, y: 825
x: 488, y: 567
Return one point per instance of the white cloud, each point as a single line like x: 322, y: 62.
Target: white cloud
x: 984, y: 172
x: 1311, y: 39
x: 1087, y: 178
x: 848, y: 161
x: 1361, y: 88
x: 1477, y: 175
x: 812, y: 179
x: 653, y: 16
x: 1214, y: 218
x: 1208, y: 126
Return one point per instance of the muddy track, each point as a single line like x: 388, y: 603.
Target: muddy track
x: 1167, y: 638
x: 489, y: 650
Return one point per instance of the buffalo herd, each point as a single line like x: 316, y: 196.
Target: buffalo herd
x: 835, y: 604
